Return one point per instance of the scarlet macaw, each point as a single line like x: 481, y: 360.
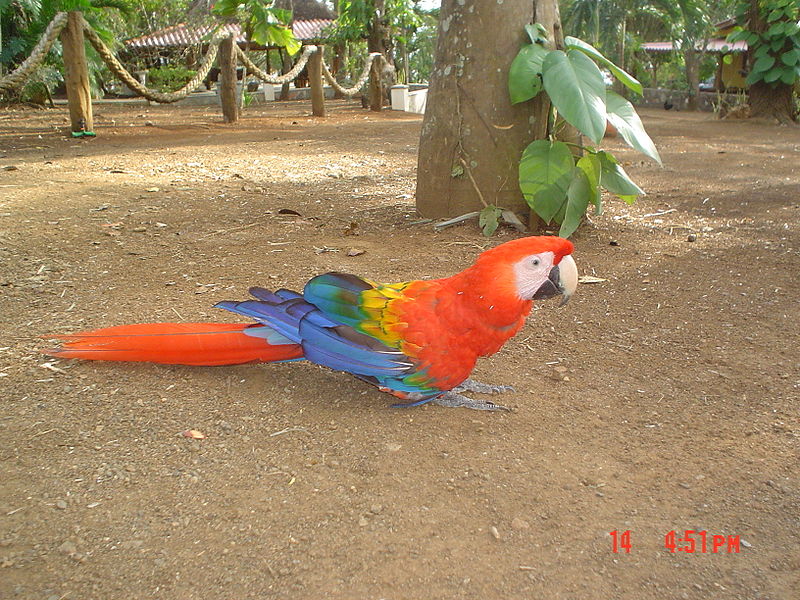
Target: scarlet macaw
x: 418, y: 340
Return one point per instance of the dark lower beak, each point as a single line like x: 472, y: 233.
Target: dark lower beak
x: 550, y: 287
x: 562, y: 281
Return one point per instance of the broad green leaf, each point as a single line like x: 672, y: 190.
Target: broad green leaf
x: 590, y: 165
x: 791, y: 57
x: 753, y: 77
x: 737, y: 34
x: 543, y: 163
x: 790, y: 75
x: 614, y: 178
x: 629, y: 81
x: 488, y: 219
x: 774, y: 15
x: 549, y: 202
x: 773, y: 75
x: 776, y: 29
x: 575, y: 86
x: 524, y: 76
x: 579, y: 194
x: 763, y: 64
x: 623, y: 116
x: 536, y: 32
x: 761, y: 51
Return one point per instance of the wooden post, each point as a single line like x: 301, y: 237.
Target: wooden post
x: 77, y: 75
x: 315, y: 79
x: 227, y: 73
x: 376, y: 85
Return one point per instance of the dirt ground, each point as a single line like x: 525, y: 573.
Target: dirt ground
x: 661, y: 398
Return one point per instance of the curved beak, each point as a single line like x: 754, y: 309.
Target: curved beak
x: 563, y: 281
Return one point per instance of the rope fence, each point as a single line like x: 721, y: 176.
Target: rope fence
x: 286, y: 77
x: 21, y: 74
x: 161, y: 97
x: 28, y: 67
x: 356, y: 88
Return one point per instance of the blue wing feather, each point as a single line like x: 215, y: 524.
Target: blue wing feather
x: 322, y: 320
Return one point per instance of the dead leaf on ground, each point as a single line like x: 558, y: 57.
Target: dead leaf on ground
x: 194, y: 434
x: 590, y: 279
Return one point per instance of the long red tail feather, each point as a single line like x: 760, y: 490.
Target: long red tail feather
x: 206, y: 344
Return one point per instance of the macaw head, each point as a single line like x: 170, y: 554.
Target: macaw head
x: 533, y: 268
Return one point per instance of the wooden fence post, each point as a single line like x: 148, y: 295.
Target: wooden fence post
x: 376, y: 85
x: 315, y: 78
x: 227, y: 73
x: 76, y: 75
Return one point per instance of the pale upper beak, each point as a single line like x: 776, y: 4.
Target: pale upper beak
x: 563, y: 281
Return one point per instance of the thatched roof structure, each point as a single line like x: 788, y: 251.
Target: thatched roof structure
x: 309, y: 19
x: 302, y: 10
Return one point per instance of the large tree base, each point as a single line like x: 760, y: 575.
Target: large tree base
x: 772, y: 102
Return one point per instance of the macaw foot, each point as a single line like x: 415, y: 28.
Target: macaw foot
x: 453, y: 399
x: 470, y: 385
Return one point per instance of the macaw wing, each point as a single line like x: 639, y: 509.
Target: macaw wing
x: 323, y: 320
x: 346, y: 300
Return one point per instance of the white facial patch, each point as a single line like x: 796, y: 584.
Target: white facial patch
x: 531, y: 273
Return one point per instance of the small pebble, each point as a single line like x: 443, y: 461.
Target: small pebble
x: 692, y: 237
x: 494, y: 532
x: 520, y: 524
x: 61, y: 505
x: 68, y: 548
x: 375, y: 509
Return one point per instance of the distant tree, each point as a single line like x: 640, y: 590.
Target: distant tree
x: 22, y: 23
x: 771, y: 29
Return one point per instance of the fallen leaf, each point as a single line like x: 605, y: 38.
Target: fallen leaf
x: 590, y: 279
x: 194, y: 434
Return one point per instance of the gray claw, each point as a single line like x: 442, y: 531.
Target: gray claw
x: 470, y: 385
x: 453, y: 399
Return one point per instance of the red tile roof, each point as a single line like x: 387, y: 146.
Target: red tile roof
x: 187, y: 35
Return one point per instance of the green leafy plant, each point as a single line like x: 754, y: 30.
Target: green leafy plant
x: 261, y: 21
x: 775, y: 51
x: 169, y: 79
x: 558, y: 185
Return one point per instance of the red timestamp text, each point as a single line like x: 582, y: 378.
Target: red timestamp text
x: 688, y: 541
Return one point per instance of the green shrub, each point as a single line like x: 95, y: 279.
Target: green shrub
x: 169, y: 79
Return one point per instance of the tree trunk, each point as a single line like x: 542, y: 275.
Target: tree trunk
x: 768, y: 100
x: 286, y: 66
x: 227, y: 73
x: 77, y: 75
x: 472, y: 137
x: 337, y: 68
x: 315, y: 81
x: 691, y: 60
x: 771, y: 101
x: 375, y: 40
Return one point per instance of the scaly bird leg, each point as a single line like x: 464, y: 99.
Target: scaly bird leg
x: 470, y: 385
x: 453, y: 399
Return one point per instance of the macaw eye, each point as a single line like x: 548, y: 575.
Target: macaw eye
x: 535, y: 262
